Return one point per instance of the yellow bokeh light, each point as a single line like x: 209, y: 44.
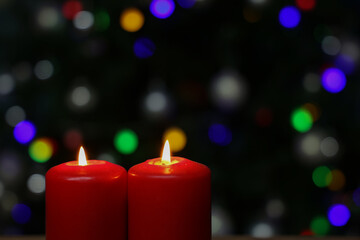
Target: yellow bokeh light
x: 338, y: 180
x: 176, y: 137
x: 131, y: 19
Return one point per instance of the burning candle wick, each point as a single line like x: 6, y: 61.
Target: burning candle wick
x: 82, y: 157
x: 166, y: 157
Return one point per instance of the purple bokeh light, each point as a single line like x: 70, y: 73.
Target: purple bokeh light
x: 333, y: 80
x: 21, y: 213
x: 144, y: 48
x: 162, y: 8
x: 24, y: 132
x: 338, y: 215
x: 220, y: 134
x: 289, y: 17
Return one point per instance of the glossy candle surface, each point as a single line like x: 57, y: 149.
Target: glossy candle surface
x: 86, y: 202
x: 169, y: 201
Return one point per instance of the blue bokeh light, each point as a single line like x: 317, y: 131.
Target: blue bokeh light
x: 144, y: 48
x: 21, y: 213
x: 345, y: 63
x: 186, y: 3
x: 220, y: 134
x: 333, y: 80
x: 24, y: 132
x: 162, y: 8
x: 289, y: 17
x: 338, y: 215
x: 356, y: 197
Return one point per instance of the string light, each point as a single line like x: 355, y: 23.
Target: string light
x: 71, y: 8
x: 102, y: 20
x: 186, y: 3
x: 262, y: 230
x: 331, y: 45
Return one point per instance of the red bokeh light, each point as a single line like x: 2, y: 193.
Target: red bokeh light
x: 71, y: 8
x: 264, y: 117
x: 306, y: 5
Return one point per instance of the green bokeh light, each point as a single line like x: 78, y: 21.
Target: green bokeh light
x: 40, y: 150
x: 126, y: 141
x: 301, y: 120
x: 102, y: 20
x: 320, y: 225
x: 322, y: 176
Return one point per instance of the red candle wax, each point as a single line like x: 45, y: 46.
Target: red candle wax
x: 169, y: 200
x: 86, y: 202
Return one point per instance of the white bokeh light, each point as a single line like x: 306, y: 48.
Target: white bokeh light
x: 262, y: 230
x: 329, y: 147
x: 7, y: 84
x: 331, y: 45
x: 48, y: 17
x: 36, y: 183
x: 83, y: 20
x: 43, y: 69
x: 80, y: 96
x: 275, y: 208
x: 310, y: 145
x: 228, y: 90
x: 312, y: 83
x: 221, y: 223
x: 8, y: 200
x: 14, y: 115
x: 156, y: 102
x: 107, y: 157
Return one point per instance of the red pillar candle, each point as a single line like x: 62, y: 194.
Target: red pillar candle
x: 169, y: 199
x: 86, y: 200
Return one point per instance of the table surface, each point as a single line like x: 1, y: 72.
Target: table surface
x: 217, y: 238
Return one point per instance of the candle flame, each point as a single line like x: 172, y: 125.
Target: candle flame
x: 82, y: 157
x: 166, y: 157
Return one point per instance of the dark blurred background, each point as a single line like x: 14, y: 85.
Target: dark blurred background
x: 264, y: 92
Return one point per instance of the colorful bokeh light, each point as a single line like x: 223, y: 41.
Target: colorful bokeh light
x: 102, y: 20
x: 126, y: 141
x: 289, y: 17
x: 337, y: 180
x: 320, y: 225
x: 301, y: 120
x: 322, y: 176
x: 333, y: 80
x: 21, y: 213
x: 356, y: 197
x: 24, y: 132
x: 220, y: 134
x: 306, y: 5
x: 338, y: 215
x: 177, y: 138
x: 162, y: 8
x: 71, y: 8
x: 186, y: 3
x: 144, y: 48
x: 346, y: 63
x: 41, y: 150
x: 132, y: 20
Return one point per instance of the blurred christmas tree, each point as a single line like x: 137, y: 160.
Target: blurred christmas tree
x: 264, y: 92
